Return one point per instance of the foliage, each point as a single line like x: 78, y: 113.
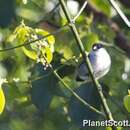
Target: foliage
x: 31, y: 97
x: 2, y: 100
x: 127, y: 102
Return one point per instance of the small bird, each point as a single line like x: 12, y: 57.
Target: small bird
x: 100, y: 61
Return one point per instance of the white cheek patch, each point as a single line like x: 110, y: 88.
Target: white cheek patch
x: 103, y: 60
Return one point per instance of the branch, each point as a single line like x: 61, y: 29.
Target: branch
x: 33, y: 41
x: 120, y: 39
x: 71, y: 90
x: 46, y: 15
x: 119, y: 11
x: 86, y: 59
x: 117, y: 103
x: 81, y: 10
x: 54, y: 71
x: 112, y: 45
x: 75, y: 94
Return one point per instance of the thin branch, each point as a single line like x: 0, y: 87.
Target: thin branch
x: 71, y: 90
x: 87, y: 61
x: 81, y: 10
x: 120, y: 39
x: 46, y: 15
x: 119, y: 11
x: 33, y: 41
x: 112, y: 45
x: 43, y: 76
x: 38, y: 77
x: 52, y: 11
x: 76, y: 95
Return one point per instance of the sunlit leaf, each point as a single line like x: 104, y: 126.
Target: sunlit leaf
x: 48, y: 54
x: 22, y: 32
x: 50, y: 39
x: 2, y: 100
x: 31, y: 54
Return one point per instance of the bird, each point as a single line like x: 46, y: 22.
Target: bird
x: 100, y: 61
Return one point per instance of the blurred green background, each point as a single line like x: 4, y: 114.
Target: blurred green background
x: 35, y: 99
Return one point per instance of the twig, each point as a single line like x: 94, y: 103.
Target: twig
x: 46, y: 15
x: 120, y: 39
x: 33, y: 41
x: 37, y: 77
x: 71, y: 90
x: 88, y: 64
x: 122, y: 15
x: 76, y: 95
x: 81, y: 10
x: 112, y: 45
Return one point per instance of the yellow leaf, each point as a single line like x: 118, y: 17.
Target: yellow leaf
x: 31, y: 54
x: 48, y: 54
x: 22, y: 32
x: 51, y: 39
x: 2, y: 100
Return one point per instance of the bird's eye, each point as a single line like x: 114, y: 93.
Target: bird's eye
x: 96, y: 47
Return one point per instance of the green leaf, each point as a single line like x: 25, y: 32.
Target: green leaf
x: 101, y: 5
x: 127, y: 102
x: 18, y: 124
x: 11, y: 38
x: 43, y: 89
x: 108, y: 128
x: 77, y: 111
x: 41, y: 96
x: 91, y: 39
x: 2, y: 100
x: 31, y: 54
